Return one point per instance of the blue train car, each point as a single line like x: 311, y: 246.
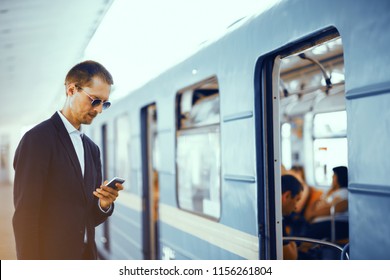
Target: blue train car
x: 202, y: 145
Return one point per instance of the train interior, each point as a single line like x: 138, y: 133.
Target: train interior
x: 312, y: 137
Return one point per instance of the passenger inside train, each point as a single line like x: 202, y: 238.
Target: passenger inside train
x: 337, y: 196
x: 322, y: 217
x: 298, y: 221
x: 291, y: 194
x: 331, y: 207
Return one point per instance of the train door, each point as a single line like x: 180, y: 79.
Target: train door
x: 303, y: 125
x: 150, y: 187
x: 106, y: 224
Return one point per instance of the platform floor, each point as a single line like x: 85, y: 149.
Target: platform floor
x: 7, y: 241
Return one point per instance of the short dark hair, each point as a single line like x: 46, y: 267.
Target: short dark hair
x: 290, y: 183
x: 81, y: 74
x: 342, y: 175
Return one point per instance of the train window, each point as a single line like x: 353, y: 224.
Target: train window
x: 330, y: 145
x: 122, y: 148
x: 286, y: 145
x: 330, y: 125
x: 198, y: 156
x: 328, y: 153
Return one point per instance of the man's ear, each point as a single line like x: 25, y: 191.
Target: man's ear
x: 286, y: 195
x: 70, y: 89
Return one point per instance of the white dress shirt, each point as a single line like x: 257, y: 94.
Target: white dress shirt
x: 75, y: 136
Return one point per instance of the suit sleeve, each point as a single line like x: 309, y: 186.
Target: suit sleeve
x: 31, y: 164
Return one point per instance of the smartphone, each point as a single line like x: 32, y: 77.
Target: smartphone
x: 115, y: 180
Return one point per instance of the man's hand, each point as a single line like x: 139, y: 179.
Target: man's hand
x: 107, y: 195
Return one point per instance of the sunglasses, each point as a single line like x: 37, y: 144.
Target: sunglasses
x: 95, y: 102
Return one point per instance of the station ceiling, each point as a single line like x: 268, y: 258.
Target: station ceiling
x: 40, y: 41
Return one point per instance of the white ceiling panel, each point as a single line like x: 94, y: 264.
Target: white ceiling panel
x: 40, y: 40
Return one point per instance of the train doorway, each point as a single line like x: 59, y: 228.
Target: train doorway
x: 304, y: 121
x: 150, y: 185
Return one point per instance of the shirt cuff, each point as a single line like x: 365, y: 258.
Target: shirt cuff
x: 101, y: 209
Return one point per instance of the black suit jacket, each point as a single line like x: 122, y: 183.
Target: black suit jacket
x: 54, y: 204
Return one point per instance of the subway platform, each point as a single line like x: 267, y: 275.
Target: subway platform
x: 7, y: 241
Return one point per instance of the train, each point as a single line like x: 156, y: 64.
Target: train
x: 201, y: 146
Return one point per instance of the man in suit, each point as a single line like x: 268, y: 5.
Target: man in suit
x: 59, y: 197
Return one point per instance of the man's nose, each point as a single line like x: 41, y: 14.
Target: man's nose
x: 99, y: 108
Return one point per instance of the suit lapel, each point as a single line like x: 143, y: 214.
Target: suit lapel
x: 65, y: 140
x: 89, y: 181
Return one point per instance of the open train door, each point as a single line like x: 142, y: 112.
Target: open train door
x: 266, y: 161
x: 300, y: 121
x: 150, y: 185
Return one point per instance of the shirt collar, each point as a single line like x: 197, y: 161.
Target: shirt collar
x: 69, y: 127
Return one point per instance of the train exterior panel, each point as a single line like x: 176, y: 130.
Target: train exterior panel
x: 243, y: 219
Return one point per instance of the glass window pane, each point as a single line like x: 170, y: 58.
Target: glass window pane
x: 204, y: 112
x: 198, y: 159
x: 198, y: 169
x: 286, y: 145
x: 328, y: 153
x: 330, y: 124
